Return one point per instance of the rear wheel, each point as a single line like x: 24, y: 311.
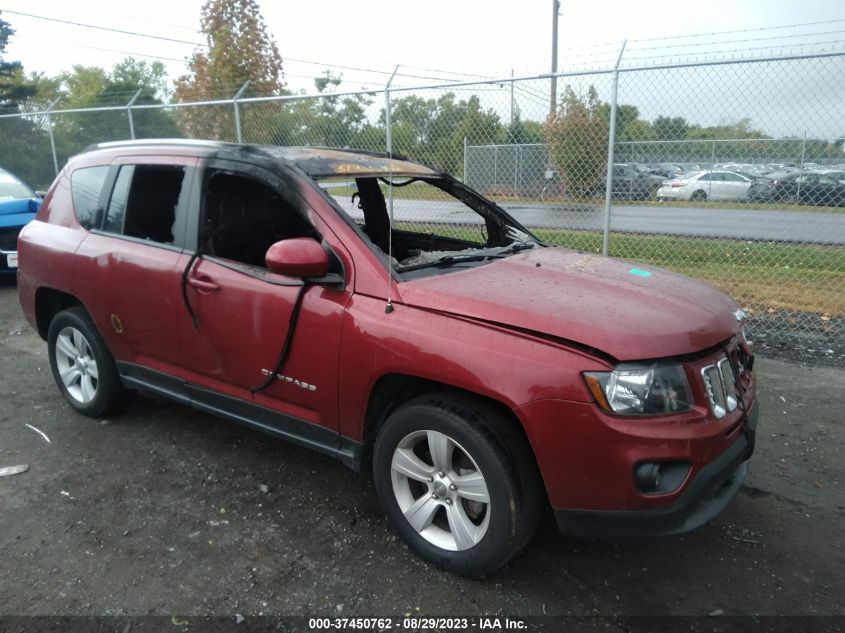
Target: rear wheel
x: 82, y: 365
x: 699, y: 196
x: 457, y: 482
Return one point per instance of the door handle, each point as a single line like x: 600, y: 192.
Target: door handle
x: 203, y: 285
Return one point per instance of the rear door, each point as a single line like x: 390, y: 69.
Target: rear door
x: 131, y: 261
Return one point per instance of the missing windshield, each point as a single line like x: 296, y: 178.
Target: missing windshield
x: 437, y: 222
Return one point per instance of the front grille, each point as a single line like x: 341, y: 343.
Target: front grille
x: 726, y: 379
x: 9, y: 239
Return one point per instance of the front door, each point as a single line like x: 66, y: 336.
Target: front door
x: 243, y: 314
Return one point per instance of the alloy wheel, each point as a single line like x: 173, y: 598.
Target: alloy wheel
x: 76, y: 365
x: 440, y: 490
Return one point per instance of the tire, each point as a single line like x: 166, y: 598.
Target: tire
x: 91, y: 384
x: 454, y: 528
x: 699, y: 196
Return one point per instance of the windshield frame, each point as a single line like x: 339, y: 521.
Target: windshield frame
x: 500, y: 224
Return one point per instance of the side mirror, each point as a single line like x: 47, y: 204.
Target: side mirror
x: 297, y: 257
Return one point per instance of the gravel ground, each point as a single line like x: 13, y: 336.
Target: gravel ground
x: 164, y: 511
x: 822, y: 343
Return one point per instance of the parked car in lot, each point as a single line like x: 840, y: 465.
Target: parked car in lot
x: 706, y: 185
x: 479, y: 379
x: 819, y: 188
x: 655, y: 176
x: 628, y: 184
x: 18, y: 204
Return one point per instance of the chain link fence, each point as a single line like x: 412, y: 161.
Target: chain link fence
x: 731, y: 172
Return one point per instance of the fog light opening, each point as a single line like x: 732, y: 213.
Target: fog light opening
x: 647, y: 476
x: 660, y: 477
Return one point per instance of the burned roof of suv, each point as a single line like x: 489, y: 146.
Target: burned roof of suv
x: 317, y: 162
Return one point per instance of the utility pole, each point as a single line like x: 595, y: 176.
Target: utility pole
x: 553, y: 96
x: 511, y: 99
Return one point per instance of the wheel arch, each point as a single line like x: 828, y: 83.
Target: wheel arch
x: 48, y: 303
x: 393, y: 390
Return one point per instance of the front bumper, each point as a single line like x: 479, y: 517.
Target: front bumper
x: 712, y: 489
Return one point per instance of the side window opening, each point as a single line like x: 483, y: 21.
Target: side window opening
x: 86, y: 185
x: 244, y: 217
x: 151, y: 210
x: 144, y: 202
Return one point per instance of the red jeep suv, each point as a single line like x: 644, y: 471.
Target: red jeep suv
x: 382, y: 312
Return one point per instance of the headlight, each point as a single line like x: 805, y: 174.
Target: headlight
x: 641, y: 389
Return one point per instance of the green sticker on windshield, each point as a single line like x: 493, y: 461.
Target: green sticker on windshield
x: 640, y: 273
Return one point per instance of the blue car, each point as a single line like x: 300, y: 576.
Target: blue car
x: 18, y: 205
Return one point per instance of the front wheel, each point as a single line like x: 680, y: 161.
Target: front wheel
x: 457, y: 483
x: 82, y: 365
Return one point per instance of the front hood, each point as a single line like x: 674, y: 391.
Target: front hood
x: 629, y: 311
x: 19, y: 206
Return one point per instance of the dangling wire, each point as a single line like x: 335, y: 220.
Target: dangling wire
x: 283, y: 355
x: 184, y: 286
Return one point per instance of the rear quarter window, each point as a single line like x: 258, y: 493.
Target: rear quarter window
x: 86, y: 184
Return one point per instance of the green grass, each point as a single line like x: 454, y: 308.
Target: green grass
x: 423, y: 191
x: 415, y: 191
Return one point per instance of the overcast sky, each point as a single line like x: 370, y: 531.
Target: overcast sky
x: 486, y: 37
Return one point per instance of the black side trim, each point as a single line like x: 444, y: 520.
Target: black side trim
x: 287, y: 427
x: 710, y: 492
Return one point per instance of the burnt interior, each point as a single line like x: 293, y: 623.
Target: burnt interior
x: 244, y: 217
x: 409, y: 243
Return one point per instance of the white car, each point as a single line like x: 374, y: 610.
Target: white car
x: 706, y: 185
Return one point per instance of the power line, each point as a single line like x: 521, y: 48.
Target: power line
x: 496, y: 79
x: 104, y: 28
x: 197, y: 44
x: 167, y: 25
x: 365, y: 70
x: 202, y: 45
x: 160, y: 57
x: 106, y: 50
x: 534, y: 100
